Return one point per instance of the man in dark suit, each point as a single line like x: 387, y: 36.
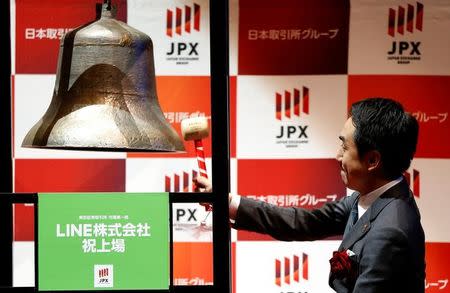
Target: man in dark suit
x: 383, y: 246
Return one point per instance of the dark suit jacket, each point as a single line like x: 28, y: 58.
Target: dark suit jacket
x: 388, y: 240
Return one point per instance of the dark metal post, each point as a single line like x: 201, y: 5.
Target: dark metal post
x: 6, y: 240
x: 5, y: 148
x: 5, y: 100
x: 220, y: 143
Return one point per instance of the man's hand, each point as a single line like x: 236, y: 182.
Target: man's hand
x: 202, y: 184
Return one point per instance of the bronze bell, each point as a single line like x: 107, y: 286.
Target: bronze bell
x: 105, y: 93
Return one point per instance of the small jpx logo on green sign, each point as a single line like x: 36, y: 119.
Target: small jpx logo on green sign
x: 103, y: 276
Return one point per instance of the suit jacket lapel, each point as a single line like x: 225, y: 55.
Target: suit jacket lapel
x: 357, y: 232
x: 363, y: 225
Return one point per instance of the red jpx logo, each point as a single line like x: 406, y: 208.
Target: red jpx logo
x: 413, y: 180
x: 102, y: 273
x: 103, y: 276
x: 397, y: 21
x: 180, y: 183
x: 191, y: 19
x: 288, y: 106
x: 288, y: 269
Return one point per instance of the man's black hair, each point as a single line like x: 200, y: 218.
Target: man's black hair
x: 383, y: 125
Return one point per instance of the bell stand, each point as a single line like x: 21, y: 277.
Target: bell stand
x: 219, y: 64
x: 220, y: 158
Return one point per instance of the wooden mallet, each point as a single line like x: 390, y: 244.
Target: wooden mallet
x: 196, y: 128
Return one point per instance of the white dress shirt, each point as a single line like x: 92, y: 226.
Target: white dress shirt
x: 365, y: 201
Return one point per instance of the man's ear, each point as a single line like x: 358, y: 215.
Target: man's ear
x: 373, y: 160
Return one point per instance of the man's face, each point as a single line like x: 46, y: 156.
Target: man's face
x: 353, y: 170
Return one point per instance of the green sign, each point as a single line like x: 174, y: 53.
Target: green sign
x: 103, y: 241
